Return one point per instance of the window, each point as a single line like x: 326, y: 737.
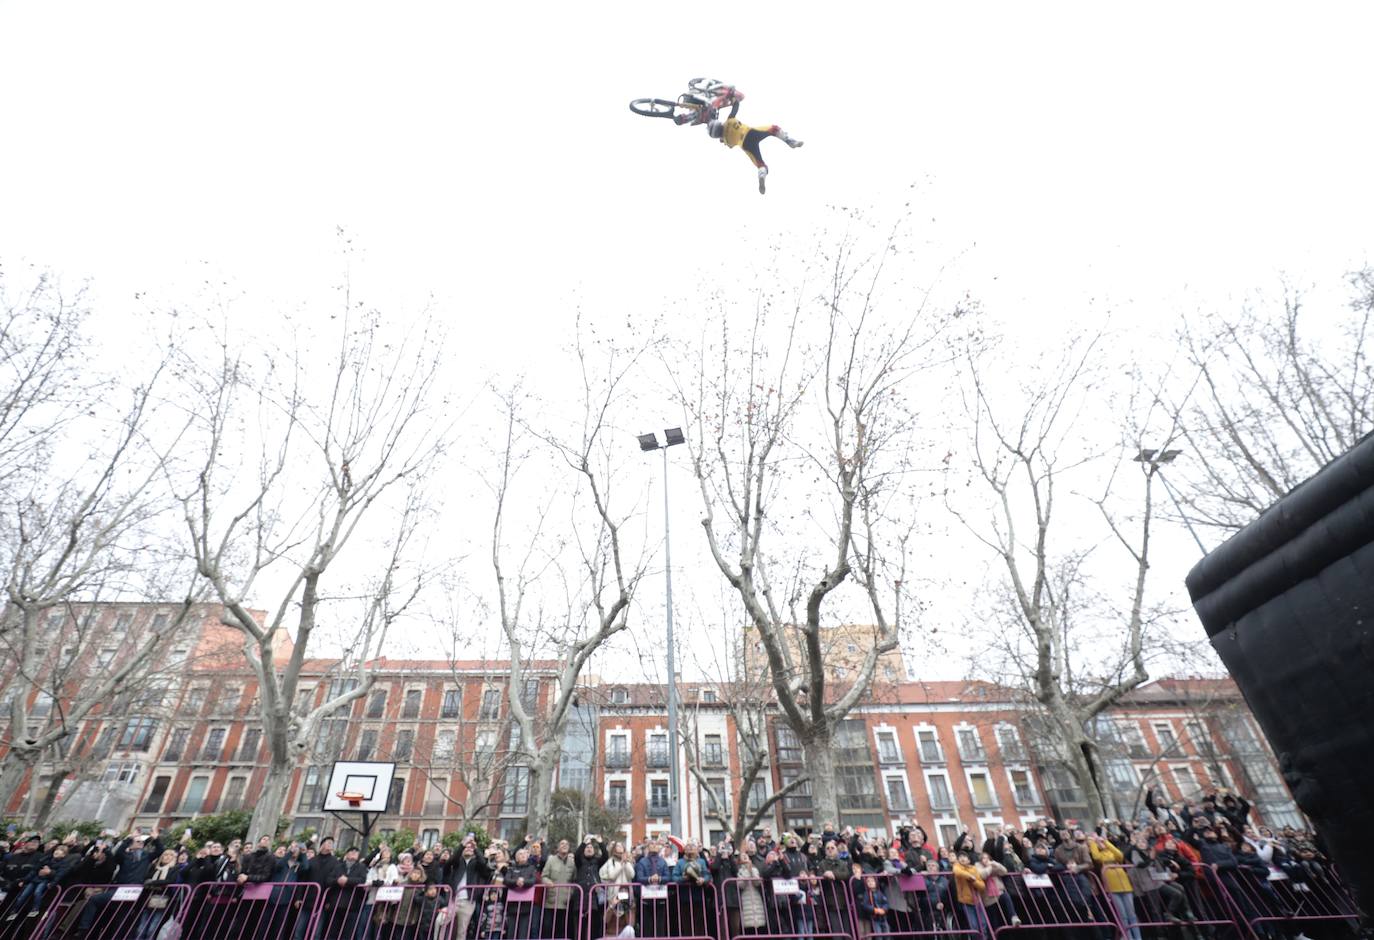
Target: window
x: 104, y: 743
x: 122, y: 623
x: 529, y: 695
x: 405, y: 745
x: 970, y: 748
x: 342, y: 687
x: 1121, y: 775
x: 799, y: 797
x: 713, y: 752
x: 176, y: 745
x: 194, y: 799
x: 411, y: 707
x: 1009, y: 743
x: 138, y: 734
x: 376, y: 704
x: 121, y: 772
x: 981, y: 788
x: 619, y: 696
x: 887, y: 748
x: 233, y: 793
x: 329, y: 744
x: 436, y: 796
x: 1132, y: 740
x: 898, y: 800
x: 68, y: 656
x: 304, y: 698
x: 618, y: 799
x: 396, y: 798
x: 929, y: 745
x: 194, y: 701
x: 949, y: 834
x: 940, y: 796
x: 160, y: 622
x: 758, y: 792
x: 54, y: 622
x: 491, y: 705
x: 618, y: 754
x: 1197, y: 734
x: 717, y: 786
x: 856, y: 787
x: 515, y: 795
x: 1187, y: 783
x: 1164, y: 734
x: 658, y: 797
x: 311, y: 789
x: 851, y: 648
x: 104, y: 658
x: 178, y: 655
x: 153, y: 804
x: 42, y: 706
x: 429, y: 838
x: 1022, y: 789
x: 708, y: 696
x: 248, y: 746
x: 657, y: 752
x: 227, y: 699
x: 789, y: 748
x: 453, y: 704
x: 367, y: 744
x: 214, y: 746
x: 486, y: 744
x: 443, y: 746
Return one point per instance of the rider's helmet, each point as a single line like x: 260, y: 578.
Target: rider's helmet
x: 716, y: 129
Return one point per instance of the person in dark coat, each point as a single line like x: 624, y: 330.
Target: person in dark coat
x: 521, y: 875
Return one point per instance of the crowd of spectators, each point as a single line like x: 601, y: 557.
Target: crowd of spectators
x: 1152, y: 875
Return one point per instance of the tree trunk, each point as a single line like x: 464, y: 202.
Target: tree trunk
x: 1087, y: 773
x: 820, y: 767
x: 271, y: 801
x: 45, y: 807
x: 16, y: 763
x: 540, y: 797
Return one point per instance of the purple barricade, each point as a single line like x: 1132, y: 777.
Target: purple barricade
x: 113, y: 912
x: 920, y: 905
x: 1161, y: 898
x: 1284, y: 903
x: 394, y: 912
x: 1055, y: 901
x: 679, y: 909
x: 271, y: 911
x: 495, y: 912
x: 785, y: 907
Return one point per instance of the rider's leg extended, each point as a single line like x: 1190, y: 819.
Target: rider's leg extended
x: 781, y: 135
x: 751, y: 147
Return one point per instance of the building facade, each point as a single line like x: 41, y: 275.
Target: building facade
x: 947, y: 755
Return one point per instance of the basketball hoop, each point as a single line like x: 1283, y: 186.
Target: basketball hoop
x: 353, y: 799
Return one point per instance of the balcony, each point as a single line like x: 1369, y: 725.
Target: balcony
x: 435, y: 807
x: 986, y: 801
x: 797, y: 802
x: 659, y: 809
x: 942, y: 803
x: 713, y: 757
x: 889, y: 755
x: 1013, y: 753
x: 619, y: 760
x: 858, y: 801
x: 899, y: 804
x: 973, y: 754
x: 931, y: 754
x: 853, y: 755
x: 618, y: 806
x: 655, y: 758
x: 1025, y: 796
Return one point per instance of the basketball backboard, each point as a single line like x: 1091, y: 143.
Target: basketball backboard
x: 367, y: 782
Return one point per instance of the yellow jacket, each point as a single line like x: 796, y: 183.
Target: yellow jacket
x: 736, y: 130
x: 967, y: 885
x: 1115, y: 879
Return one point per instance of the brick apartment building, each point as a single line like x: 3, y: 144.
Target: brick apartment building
x: 947, y: 754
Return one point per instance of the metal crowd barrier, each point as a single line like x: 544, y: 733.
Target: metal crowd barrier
x: 677, y: 909
x: 1166, y: 901
x: 1273, y: 908
x: 112, y: 912
x: 921, y: 905
x: 268, y: 911
x: 1056, y: 901
x: 775, y: 908
x: 395, y: 912
x: 23, y: 908
x: 495, y: 912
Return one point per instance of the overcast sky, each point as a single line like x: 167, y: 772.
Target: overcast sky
x: 1065, y: 163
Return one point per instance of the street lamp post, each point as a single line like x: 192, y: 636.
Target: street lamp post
x: 647, y: 442
x: 1159, y: 459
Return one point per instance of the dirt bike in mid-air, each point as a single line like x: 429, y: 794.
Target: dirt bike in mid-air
x: 700, y: 103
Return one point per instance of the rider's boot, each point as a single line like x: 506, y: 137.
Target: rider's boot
x: 789, y: 141
x: 763, y: 174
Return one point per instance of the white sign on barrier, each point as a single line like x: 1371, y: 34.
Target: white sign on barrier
x: 654, y: 892
x: 390, y: 893
x: 785, y: 886
x: 128, y: 893
x: 1038, y: 881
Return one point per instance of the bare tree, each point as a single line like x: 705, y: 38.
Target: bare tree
x: 595, y: 591
x: 74, y: 527
x: 800, y: 453
x: 1281, y: 393
x: 294, y: 457
x: 1077, y: 648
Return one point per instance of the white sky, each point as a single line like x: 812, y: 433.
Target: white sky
x: 1065, y: 162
